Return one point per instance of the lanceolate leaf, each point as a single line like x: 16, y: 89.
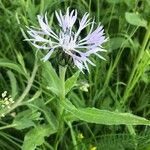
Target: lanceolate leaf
x: 9, y: 64
x: 69, y: 84
x: 93, y: 115
x: 13, y: 83
x: 51, y: 78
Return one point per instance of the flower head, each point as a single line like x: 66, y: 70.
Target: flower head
x: 68, y: 40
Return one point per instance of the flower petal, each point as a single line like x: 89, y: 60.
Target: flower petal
x: 45, y: 58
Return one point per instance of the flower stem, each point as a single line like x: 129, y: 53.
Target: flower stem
x: 62, y: 72
x: 73, y: 136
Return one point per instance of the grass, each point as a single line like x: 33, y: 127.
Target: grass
x: 52, y: 109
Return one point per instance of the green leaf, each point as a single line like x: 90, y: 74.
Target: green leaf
x: 21, y: 61
x: 35, y: 96
x: 51, y: 79
x: 46, y: 111
x: 70, y: 82
x: 26, y: 119
x: 93, y: 115
x: 9, y: 64
x: 135, y: 19
x: 130, y: 3
x: 114, y: 1
x: 35, y: 137
x: 13, y: 83
x: 117, y: 42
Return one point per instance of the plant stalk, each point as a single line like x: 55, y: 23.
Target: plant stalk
x: 143, y: 47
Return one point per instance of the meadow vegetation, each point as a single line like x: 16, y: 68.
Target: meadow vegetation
x: 46, y: 106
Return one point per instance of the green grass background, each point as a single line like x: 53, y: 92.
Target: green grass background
x: 120, y: 84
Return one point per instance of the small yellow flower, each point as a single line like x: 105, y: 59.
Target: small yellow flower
x: 84, y: 86
x: 80, y: 136
x: 92, y: 147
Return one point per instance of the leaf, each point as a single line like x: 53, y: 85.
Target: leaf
x: 21, y: 61
x: 26, y: 119
x: 135, y: 19
x: 9, y: 64
x: 94, y: 115
x: 23, y: 123
x: 130, y: 3
x: 35, y: 96
x: 117, y: 42
x: 51, y: 79
x: 35, y: 137
x: 114, y: 1
x: 13, y: 83
x: 70, y: 82
x: 31, y: 9
x: 46, y: 111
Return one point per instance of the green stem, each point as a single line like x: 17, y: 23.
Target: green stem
x: 113, y: 7
x: 90, y: 6
x: 73, y: 136
x: 62, y: 72
x: 127, y: 90
x: 98, y: 10
x: 115, y: 63
x: 8, y: 126
x: 131, y: 130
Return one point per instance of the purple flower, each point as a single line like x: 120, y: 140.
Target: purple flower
x: 68, y: 39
